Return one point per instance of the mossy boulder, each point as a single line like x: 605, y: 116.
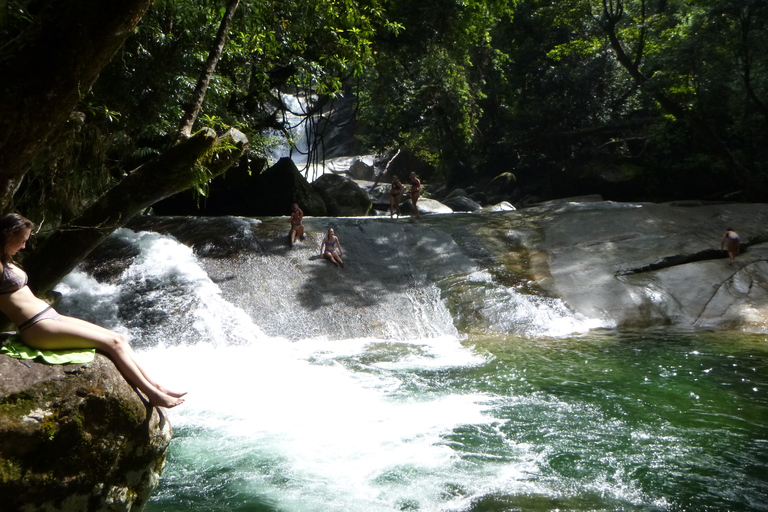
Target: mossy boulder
x: 76, y: 438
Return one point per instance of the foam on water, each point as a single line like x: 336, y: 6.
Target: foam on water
x: 164, y: 296
x: 331, y: 414
x: 514, y: 310
x: 335, y: 438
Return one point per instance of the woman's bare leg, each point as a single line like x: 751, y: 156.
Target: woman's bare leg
x: 75, y: 333
x: 329, y: 256
x: 106, y: 332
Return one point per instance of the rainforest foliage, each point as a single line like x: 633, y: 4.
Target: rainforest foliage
x: 635, y: 99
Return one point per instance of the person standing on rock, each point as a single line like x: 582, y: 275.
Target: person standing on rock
x: 415, y: 192
x: 41, y: 327
x: 395, y: 196
x: 297, y: 228
x: 731, y: 243
x: 330, y: 248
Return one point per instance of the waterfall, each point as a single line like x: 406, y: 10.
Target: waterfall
x: 299, y: 128
x: 321, y: 143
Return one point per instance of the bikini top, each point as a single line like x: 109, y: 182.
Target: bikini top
x: 12, y: 281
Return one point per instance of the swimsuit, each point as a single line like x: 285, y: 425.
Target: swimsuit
x: 332, y: 249
x: 47, y: 314
x: 12, y: 281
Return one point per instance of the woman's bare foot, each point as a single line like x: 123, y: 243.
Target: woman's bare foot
x: 168, y: 403
x: 161, y: 399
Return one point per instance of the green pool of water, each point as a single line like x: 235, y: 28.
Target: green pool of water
x: 614, y: 421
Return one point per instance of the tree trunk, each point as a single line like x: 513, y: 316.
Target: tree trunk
x: 196, y: 104
x: 48, y: 68
x: 169, y: 173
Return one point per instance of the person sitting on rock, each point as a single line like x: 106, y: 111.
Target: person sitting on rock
x: 731, y: 243
x: 330, y: 248
x: 41, y: 327
x: 297, y: 228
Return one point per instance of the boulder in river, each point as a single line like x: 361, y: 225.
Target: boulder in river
x: 342, y: 196
x: 76, y: 438
x: 461, y: 204
x: 426, y: 206
x: 278, y: 187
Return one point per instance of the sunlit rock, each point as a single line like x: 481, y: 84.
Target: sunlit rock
x: 360, y: 170
x: 426, y: 206
x: 503, y: 206
x: 76, y: 438
x: 559, y: 267
x: 591, y: 247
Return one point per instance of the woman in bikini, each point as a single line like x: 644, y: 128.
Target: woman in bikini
x: 330, y: 248
x: 297, y: 228
x: 395, y: 197
x: 41, y: 327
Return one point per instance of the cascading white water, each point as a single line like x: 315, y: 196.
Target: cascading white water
x: 417, y: 419
x: 335, y: 416
x: 508, y: 309
x: 298, y: 126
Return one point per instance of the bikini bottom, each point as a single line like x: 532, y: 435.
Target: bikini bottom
x: 47, y: 314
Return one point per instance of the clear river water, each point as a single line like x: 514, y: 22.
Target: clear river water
x: 293, y: 410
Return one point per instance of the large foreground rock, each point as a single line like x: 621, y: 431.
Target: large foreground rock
x: 76, y: 438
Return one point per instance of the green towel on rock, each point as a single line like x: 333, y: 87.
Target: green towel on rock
x: 15, y: 348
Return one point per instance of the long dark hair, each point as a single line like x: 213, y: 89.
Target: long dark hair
x: 11, y: 224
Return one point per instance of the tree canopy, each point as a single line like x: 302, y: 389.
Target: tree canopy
x: 635, y: 99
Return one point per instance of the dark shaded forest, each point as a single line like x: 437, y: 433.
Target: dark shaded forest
x: 648, y: 100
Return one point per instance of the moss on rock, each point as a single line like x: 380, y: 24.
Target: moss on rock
x: 76, y: 438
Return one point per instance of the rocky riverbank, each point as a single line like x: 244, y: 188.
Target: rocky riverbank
x: 76, y: 437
